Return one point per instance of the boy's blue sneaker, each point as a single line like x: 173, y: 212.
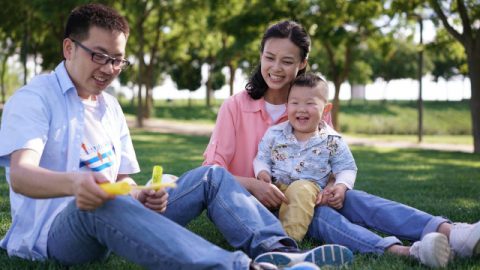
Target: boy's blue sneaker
x: 326, y: 255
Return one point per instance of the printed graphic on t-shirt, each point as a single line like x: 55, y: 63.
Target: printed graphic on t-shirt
x: 96, y: 157
x: 97, y: 153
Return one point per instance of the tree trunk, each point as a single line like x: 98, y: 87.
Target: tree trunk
x: 141, y: 67
x: 420, y: 90
x: 139, y: 104
x: 209, y: 86
x: 336, y: 106
x: 24, y: 53
x: 231, y: 68
x: 139, y: 94
x: 148, y: 101
x: 2, y: 78
x: 473, y: 59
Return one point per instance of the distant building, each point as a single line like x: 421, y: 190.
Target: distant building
x: 358, y: 92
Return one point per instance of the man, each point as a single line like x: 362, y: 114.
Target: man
x: 61, y: 136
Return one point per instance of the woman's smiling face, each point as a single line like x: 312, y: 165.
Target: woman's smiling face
x: 280, y: 63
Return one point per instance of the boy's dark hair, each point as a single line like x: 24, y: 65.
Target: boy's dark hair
x: 256, y: 86
x: 310, y: 79
x: 83, y: 17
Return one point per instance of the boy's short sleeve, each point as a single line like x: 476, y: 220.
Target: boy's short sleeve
x: 342, y: 162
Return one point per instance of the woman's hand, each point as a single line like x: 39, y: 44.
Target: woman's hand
x: 264, y: 176
x: 268, y: 194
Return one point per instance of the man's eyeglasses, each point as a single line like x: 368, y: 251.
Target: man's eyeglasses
x: 103, y: 59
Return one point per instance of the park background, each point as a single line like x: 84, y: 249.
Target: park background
x: 188, y: 56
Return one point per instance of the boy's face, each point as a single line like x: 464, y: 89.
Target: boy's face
x: 305, y: 109
x: 91, y: 78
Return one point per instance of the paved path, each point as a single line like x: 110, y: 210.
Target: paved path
x: 169, y: 126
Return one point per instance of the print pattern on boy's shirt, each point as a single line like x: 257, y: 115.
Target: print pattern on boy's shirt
x: 97, y: 153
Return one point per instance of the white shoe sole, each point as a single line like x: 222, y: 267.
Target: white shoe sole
x: 326, y: 255
x: 435, y: 251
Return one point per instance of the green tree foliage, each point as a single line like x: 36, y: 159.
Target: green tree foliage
x: 187, y: 75
x: 448, y: 56
x: 460, y: 18
x: 340, y: 30
x: 394, y: 57
x: 349, y: 42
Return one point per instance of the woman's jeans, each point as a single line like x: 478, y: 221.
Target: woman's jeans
x: 156, y: 241
x: 348, y: 226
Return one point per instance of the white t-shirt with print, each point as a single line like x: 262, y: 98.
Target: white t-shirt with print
x: 97, y: 152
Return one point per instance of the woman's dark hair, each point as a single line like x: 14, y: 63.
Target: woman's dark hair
x: 256, y: 86
x: 83, y: 17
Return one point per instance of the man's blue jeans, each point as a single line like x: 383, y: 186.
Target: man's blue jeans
x: 348, y: 226
x: 153, y: 241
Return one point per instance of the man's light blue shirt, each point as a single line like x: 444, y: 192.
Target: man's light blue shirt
x: 47, y: 116
x: 287, y: 160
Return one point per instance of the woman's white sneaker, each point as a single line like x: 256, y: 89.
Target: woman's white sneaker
x: 433, y: 250
x: 465, y: 239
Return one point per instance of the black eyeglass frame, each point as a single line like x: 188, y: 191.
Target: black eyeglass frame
x: 103, y: 58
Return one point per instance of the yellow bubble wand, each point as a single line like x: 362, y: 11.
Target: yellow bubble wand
x: 123, y: 188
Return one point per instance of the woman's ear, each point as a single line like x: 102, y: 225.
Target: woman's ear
x: 303, y: 64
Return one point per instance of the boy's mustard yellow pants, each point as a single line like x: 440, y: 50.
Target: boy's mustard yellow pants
x: 297, y: 215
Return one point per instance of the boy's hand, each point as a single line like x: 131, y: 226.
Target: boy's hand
x: 338, y: 196
x: 326, y: 193
x: 323, y: 196
x: 264, y: 176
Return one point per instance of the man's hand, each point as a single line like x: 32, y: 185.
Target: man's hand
x: 264, y: 176
x: 88, y: 195
x: 338, y: 196
x: 155, y: 200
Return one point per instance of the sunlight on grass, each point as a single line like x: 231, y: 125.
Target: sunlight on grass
x: 466, y: 203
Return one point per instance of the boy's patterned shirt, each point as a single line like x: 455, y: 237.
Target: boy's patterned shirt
x: 323, y: 154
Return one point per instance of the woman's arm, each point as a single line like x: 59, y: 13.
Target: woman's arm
x: 222, y: 145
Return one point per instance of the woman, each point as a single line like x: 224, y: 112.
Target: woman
x: 244, y: 118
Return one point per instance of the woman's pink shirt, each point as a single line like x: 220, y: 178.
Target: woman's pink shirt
x: 241, y: 124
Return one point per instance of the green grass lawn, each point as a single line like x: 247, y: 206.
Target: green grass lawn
x: 442, y: 183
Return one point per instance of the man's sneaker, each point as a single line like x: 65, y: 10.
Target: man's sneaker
x: 263, y: 266
x: 433, y: 250
x: 465, y: 239
x: 326, y: 255
x: 303, y: 266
